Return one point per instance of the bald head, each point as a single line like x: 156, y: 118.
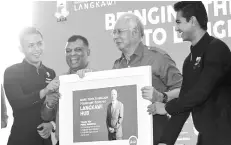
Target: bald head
x: 114, y: 95
x: 132, y: 21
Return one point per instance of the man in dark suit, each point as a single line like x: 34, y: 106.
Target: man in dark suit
x: 27, y: 85
x: 206, y: 87
x: 114, y: 119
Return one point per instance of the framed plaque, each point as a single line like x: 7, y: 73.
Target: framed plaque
x: 105, y: 108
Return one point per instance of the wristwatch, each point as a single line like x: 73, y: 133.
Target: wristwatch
x: 165, y: 97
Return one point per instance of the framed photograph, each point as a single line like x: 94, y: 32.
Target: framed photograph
x: 105, y: 108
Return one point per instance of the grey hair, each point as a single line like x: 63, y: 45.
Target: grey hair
x: 130, y: 17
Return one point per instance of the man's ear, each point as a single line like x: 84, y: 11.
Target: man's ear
x: 193, y: 20
x: 135, y: 33
x: 88, y: 52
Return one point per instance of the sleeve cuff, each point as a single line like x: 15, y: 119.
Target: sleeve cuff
x: 169, y: 107
x: 49, y: 107
x: 54, y: 126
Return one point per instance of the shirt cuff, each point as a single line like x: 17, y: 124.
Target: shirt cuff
x: 54, y: 126
x: 49, y: 107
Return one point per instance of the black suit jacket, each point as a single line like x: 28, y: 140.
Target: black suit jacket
x: 206, y: 92
x: 22, y: 83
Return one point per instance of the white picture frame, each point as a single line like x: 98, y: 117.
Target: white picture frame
x: 140, y: 76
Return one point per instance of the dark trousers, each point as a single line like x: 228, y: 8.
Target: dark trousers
x: 159, y: 123
x: 14, y: 140
x: 206, y: 140
x: 111, y: 136
x: 213, y: 139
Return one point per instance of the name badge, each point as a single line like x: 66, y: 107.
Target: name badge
x: 197, y: 63
x: 48, y: 79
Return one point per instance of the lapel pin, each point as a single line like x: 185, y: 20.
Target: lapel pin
x: 48, y: 74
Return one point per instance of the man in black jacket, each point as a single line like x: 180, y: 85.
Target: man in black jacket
x: 206, y: 87
x: 27, y: 85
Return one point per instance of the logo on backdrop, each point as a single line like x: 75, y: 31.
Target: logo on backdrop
x: 84, y: 5
x: 61, y: 12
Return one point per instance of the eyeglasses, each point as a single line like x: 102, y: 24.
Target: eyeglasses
x: 119, y: 31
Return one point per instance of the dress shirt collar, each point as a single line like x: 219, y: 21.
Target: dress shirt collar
x: 30, y: 67
x: 114, y: 102
x: 137, y: 53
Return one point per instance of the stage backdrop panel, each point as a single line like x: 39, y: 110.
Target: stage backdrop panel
x: 95, y: 21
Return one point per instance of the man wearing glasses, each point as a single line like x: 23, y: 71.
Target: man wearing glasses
x: 166, y: 78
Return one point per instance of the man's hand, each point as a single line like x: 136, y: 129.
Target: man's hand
x: 151, y: 94
x: 111, y: 130
x: 46, y: 131
x: 81, y: 73
x: 52, y: 99
x: 157, y: 108
x: 53, y: 86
